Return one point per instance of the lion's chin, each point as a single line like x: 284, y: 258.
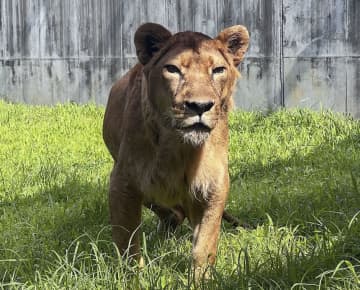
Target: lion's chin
x: 194, y: 138
x: 195, y: 135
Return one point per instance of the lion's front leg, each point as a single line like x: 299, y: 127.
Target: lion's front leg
x: 125, y: 215
x: 206, y: 219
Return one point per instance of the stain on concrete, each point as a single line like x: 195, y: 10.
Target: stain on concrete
x: 354, y: 25
x: 267, y: 7
x: 49, y: 69
x: 11, y: 65
x: 357, y: 83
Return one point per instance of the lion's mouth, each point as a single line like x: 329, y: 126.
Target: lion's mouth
x: 197, y: 127
x: 195, y: 134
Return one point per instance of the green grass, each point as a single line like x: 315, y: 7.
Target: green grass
x: 295, y: 178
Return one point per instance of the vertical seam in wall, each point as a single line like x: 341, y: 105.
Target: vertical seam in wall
x: 193, y: 16
x: 282, y: 88
x: 346, y: 86
x: 346, y: 55
x: 178, y: 15
x: 217, y: 17
x: 22, y: 56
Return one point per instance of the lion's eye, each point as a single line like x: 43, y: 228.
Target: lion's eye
x: 172, y: 69
x: 219, y: 70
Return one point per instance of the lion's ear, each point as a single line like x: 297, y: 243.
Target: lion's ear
x: 236, y: 40
x: 149, y: 38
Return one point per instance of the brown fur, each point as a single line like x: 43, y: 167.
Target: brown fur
x: 167, y: 154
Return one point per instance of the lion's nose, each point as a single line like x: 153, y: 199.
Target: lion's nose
x: 199, y: 107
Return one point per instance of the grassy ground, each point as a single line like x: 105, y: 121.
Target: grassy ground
x: 295, y: 178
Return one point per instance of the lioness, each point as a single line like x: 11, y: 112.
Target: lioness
x: 166, y: 127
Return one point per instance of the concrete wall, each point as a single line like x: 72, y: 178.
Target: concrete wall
x: 303, y: 53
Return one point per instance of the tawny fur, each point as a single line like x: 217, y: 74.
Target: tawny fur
x: 167, y: 154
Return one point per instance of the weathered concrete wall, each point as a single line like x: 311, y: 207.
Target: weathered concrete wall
x: 321, y: 52
x: 302, y: 53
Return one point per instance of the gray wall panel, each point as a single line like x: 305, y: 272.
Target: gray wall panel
x: 314, y: 28
x: 11, y: 80
x: 259, y: 87
x: 327, y: 77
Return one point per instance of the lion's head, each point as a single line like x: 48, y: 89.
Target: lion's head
x: 190, y: 76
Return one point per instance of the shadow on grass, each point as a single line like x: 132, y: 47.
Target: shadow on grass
x: 55, y: 218
x: 49, y: 222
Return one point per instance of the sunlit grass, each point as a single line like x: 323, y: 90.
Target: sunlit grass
x: 295, y: 179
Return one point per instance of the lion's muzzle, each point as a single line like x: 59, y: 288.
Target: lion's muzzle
x: 196, y: 129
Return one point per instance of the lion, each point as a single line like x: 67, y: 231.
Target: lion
x: 166, y: 127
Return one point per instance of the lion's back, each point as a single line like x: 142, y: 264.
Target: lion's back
x: 123, y: 99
